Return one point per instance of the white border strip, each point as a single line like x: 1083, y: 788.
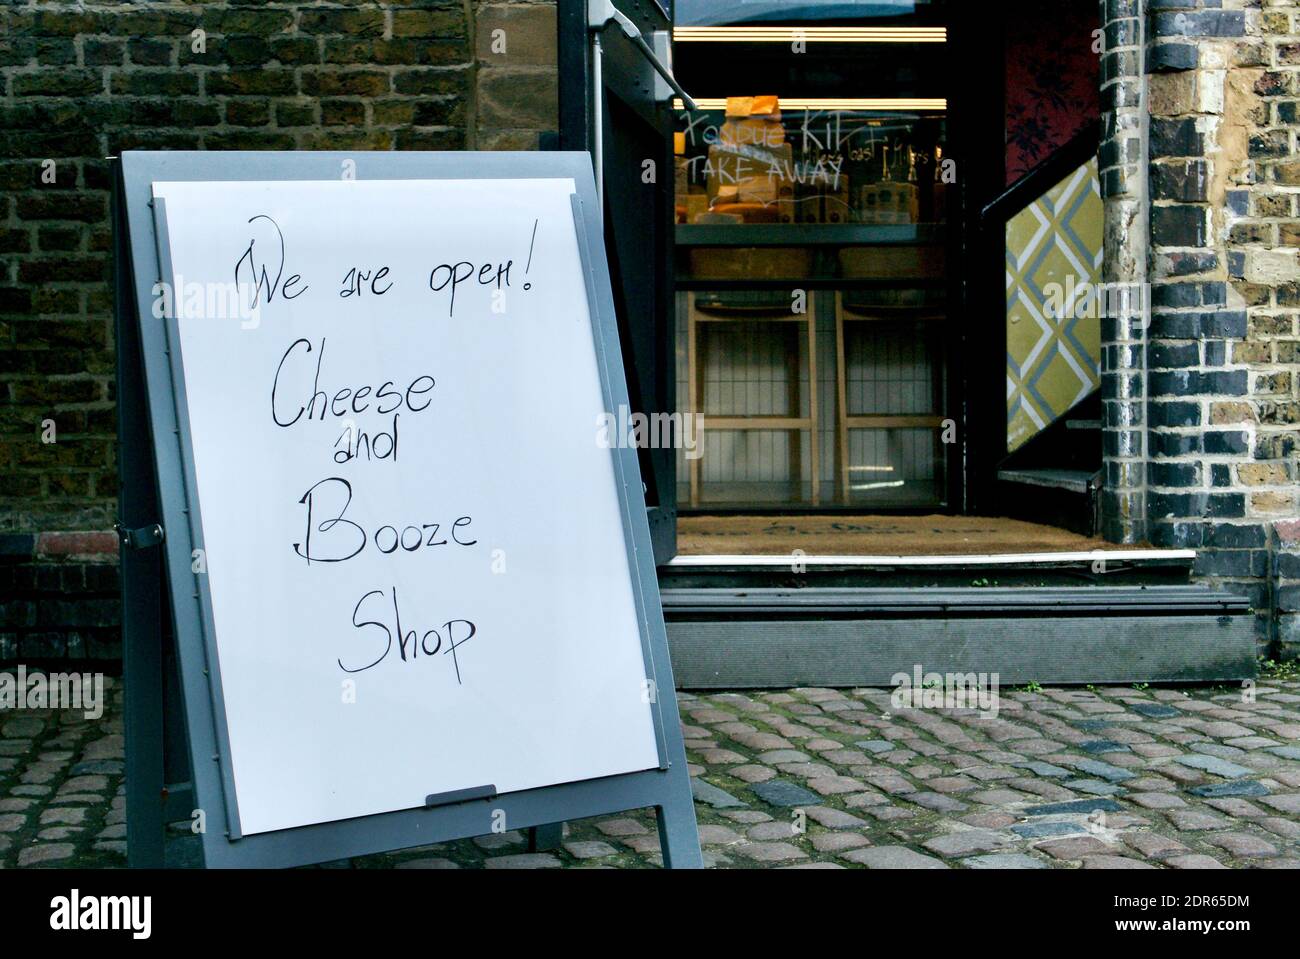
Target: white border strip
x: 1001, y: 559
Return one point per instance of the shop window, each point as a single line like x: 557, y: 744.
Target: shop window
x: 811, y: 195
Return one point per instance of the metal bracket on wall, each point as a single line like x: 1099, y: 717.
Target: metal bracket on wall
x: 141, y: 538
x: 600, y: 13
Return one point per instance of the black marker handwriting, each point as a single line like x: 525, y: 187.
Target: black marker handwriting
x: 356, y: 282
x: 254, y: 274
x: 348, y: 400
x: 412, y: 644
x: 338, y: 539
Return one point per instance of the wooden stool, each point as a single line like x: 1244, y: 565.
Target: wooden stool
x: 695, y: 390
x: 846, y: 421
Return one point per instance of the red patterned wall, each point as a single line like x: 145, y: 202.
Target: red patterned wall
x: 1051, y: 77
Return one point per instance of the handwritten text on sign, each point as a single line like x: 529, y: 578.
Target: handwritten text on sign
x: 330, y: 536
x: 395, y: 464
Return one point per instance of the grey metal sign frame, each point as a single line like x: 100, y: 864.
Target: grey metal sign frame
x: 159, y: 490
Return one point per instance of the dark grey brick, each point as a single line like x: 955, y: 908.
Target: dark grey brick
x: 1172, y: 56
x: 1080, y: 806
x: 1201, y: 23
x: 1241, y: 787
x: 780, y: 792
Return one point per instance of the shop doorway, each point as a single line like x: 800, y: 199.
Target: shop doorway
x: 816, y: 292
x: 814, y: 300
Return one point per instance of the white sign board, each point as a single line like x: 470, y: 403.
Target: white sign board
x: 410, y: 520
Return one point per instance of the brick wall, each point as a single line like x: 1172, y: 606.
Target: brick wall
x: 60, y: 599
x: 82, y: 81
x: 1222, y: 353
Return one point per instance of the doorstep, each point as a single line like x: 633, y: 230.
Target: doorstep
x: 1116, y: 616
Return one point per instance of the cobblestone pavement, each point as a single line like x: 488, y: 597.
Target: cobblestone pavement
x: 1061, y: 778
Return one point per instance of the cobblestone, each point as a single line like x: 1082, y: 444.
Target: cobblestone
x: 1114, y: 862
x: 770, y: 851
x: 893, y: 857
x: 1004, y: 860
x: 1111, y: 778
x: 838, y: 842
x: 967, y: 842
x: 1215, y: 765
x: 591, y: 849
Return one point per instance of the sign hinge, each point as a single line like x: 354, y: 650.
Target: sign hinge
x: 141, y: 538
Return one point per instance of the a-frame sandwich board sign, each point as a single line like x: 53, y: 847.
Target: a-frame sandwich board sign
x: 375, y: 511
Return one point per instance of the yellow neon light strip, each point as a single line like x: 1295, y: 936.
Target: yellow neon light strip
x: 811, y: 34
x: 909, y: 104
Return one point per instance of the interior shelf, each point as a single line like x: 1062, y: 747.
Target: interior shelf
x: 819, y: 280
x: 809, y: 234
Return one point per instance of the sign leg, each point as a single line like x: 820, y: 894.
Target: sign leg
x: 543, y: 838
x: 141, y: 573
x: 679, y: 838
x: 143, y: 714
